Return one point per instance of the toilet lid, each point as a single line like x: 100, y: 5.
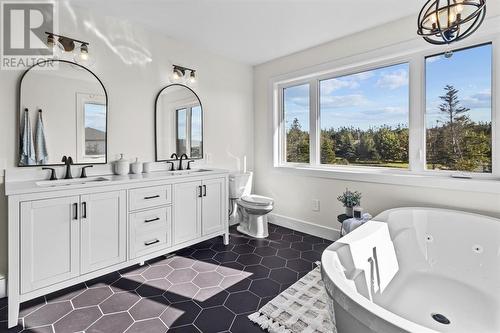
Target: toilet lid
x: 257, y: 200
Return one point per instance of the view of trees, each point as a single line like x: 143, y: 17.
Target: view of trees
x: 455, y: 143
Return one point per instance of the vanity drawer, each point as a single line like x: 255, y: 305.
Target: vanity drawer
x: 151, y: 219
x: 148, y: 197
x: 151, y: 241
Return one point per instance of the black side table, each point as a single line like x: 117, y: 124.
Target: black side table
x: 341, y: 218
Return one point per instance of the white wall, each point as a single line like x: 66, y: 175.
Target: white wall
x: 120, y: 50
x: 293, y: 192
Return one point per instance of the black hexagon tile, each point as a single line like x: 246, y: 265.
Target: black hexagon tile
x: 180, y: 293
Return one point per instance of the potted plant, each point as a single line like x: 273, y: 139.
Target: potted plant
x: 350, y: 200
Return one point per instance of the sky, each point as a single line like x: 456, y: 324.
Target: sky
x: 381, y: 96
x: 95, y: 116
x: 469, y: 71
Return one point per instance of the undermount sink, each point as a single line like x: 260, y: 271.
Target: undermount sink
x: 185, y: 172
x: 71, y: 182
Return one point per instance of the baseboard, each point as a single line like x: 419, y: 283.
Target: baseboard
x: 3, y: 286
x: 304, y: 226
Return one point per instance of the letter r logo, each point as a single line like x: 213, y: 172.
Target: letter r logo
x: 24, y: 27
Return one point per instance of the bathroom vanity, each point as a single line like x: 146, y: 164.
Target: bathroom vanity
x: 65, y: 232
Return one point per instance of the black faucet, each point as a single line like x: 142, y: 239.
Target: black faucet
x: 68, y: 161
x: 176, y: 157
x: 84, y: 172
x: 183, y: 157
x: 189, y: 164
x: 172, y: 168
x: 52, y: 173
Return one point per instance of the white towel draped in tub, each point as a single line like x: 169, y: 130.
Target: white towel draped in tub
x: 42, y: 155
x: 27, y: 150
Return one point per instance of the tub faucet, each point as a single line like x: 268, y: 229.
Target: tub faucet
x: 68, y: 161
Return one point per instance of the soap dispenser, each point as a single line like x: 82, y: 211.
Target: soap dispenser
x: 122, y: 166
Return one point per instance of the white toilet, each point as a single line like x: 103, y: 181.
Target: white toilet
x: 249, y: 210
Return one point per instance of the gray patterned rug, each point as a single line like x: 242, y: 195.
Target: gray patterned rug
x: 302, y: 308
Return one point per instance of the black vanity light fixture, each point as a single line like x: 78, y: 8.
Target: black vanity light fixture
x: 443, y: 22
x: 179, y: 73
x: 59, y: 43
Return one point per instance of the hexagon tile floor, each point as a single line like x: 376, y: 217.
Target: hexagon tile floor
x: 208, y: 287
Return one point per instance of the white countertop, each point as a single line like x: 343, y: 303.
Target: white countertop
x: 17, y: 187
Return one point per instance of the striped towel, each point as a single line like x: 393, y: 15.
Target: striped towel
x: 27, y: 150
x: 42, y: 155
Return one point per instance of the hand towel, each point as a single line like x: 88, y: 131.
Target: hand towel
x: 42, y: 155
x: 27, y: 150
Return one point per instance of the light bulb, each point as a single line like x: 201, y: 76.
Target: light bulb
x: 459, y: 6
x: 83, y: 57
x: 192, y: 77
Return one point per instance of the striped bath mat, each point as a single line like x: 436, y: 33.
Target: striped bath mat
x: 302, y: 308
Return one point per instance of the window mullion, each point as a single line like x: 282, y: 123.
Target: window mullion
x: 314, y: 127
x: 416, y: 149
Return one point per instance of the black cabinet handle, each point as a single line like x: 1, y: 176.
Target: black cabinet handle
x: 200, y: 193
x: 152, y: 242
x: 75, y: 209
x: 204, y: 190
x: 84, y: 210
x: 152, y: 220
x: 151, y: 197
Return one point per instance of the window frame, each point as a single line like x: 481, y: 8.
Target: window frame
x: 411, y: 52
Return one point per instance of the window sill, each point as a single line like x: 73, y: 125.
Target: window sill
x: 479, y: 183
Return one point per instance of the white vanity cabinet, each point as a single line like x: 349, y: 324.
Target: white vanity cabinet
x: 62, y: 238
x: 103, y: 226
x: 66, y: 234
x: 50, y: 237
x: 199, y: 209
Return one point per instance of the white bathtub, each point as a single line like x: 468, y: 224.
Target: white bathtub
x: 446, y: 262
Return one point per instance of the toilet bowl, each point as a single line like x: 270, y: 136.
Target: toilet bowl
x: 252, y: 211
x: 248, y: 210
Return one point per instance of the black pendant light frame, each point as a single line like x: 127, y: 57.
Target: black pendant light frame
x: 440, y: 33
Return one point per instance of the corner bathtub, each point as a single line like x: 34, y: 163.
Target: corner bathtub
x: 395, y: 275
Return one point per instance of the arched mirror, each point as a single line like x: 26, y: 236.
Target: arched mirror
x: 178, y: 123
x: 63, y: 111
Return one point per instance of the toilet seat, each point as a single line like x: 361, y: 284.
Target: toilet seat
x: 257, y: 200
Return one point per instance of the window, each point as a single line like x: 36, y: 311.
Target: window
x: 95, y: 132
x: 364, y: 118
x: 414, y: 113
x: 91, y: 128
x: 182, y: 120
x: 196, y: 132
x: 189, y: 130
x: 458, y: 110
x: 296, y: 119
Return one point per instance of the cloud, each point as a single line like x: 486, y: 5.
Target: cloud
x: 478, y: 101
x: 351, y: 82
x: 393, y: 80
x: 343, y: 101
x: 389, y: 111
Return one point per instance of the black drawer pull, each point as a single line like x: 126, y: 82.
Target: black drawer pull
x: 75, y: 208
x: 204, y: 190
x: 200, y: 191
x: 152, y: 242
x: 151, y: 197
x: 151, y: 220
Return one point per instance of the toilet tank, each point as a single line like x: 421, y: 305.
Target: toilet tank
x: 240, y: 184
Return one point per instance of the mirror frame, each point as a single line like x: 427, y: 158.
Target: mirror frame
x: 202, y: 122
x: 19, y: 113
